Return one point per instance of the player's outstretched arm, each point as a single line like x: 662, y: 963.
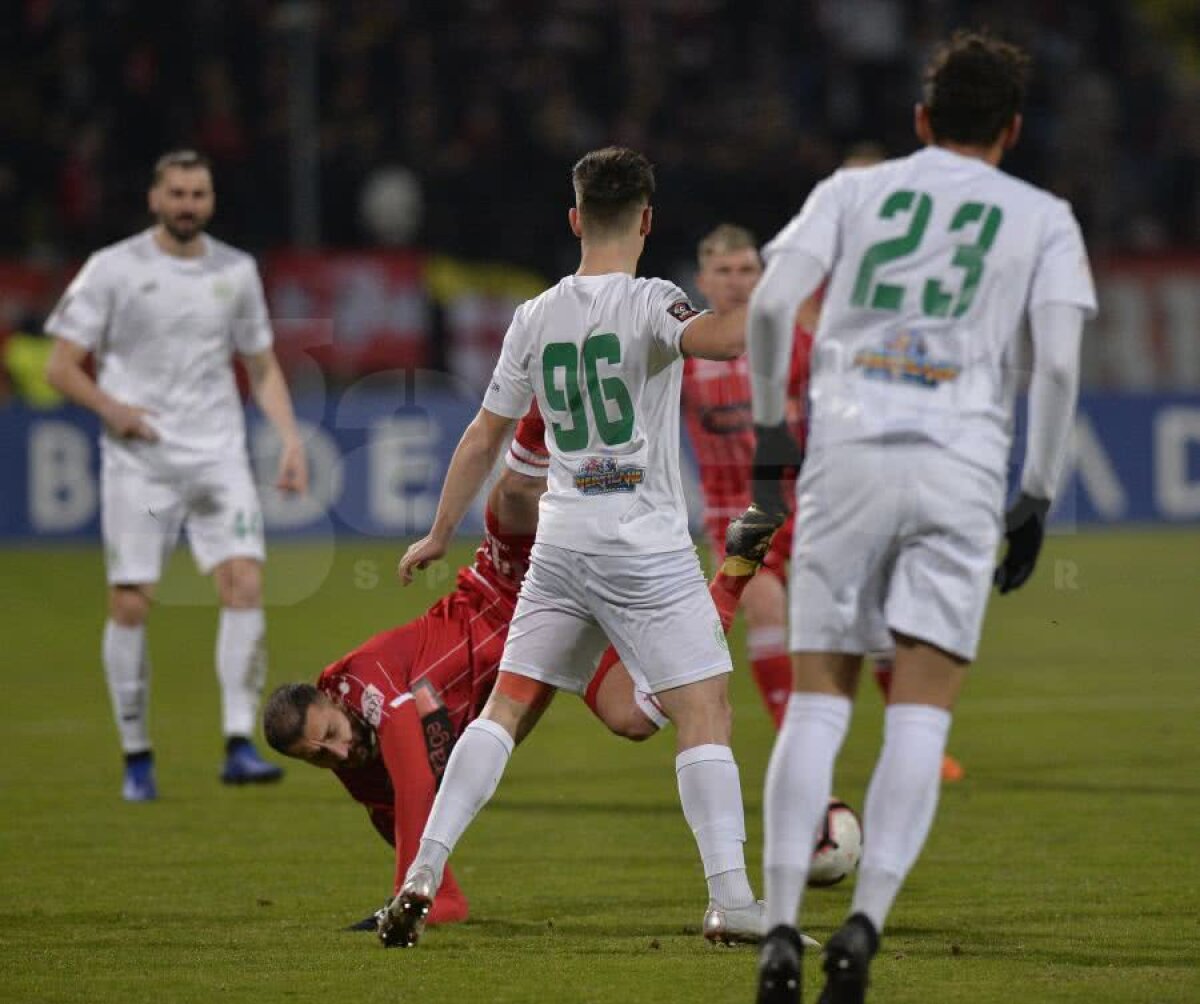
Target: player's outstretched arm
x: 715, y: 336
x: 271, y: 393
x: 473, y: 460
x: 1057, y: 330
x: 790, y: 278
x: 65, y: 373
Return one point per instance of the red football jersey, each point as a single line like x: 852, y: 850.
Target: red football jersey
x: 716, y: 411
x: 418, y: 686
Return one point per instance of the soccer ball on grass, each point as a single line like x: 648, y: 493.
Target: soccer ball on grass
x: 839, y: 846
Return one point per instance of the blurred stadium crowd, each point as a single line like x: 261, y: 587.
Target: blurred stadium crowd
x: 742, y: 105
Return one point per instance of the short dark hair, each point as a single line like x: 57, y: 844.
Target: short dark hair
x: 285, y: 712
x: 974, y: 85
x: 610, y: 185
x: 180, y: 158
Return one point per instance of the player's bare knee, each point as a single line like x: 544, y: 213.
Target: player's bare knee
x: 634, y: 726
x: 701, y: 713
x: 129, y: 606
x: 239, y: 584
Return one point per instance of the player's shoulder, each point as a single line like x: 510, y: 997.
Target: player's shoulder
x: 528, y: 312
x: 1051, y: 216
x: 1054, y: 211
x: 653, y: 288
x: 863, y: 181
x: 663, y: 301
x: 1027, y: 192
x: 135, y: 249
x: 222, y: 255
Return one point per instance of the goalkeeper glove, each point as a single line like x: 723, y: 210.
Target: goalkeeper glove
x: 775, y: 453
x: 1024, y: 528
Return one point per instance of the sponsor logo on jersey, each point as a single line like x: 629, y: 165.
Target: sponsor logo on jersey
x: 904, y: 358
x: 603, y: 476
x: 681, y: 310
x: 372, y: 704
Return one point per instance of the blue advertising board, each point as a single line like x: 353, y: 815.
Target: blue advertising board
x: 378, y: 459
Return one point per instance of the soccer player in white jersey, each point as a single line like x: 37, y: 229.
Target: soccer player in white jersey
x: 162, y: 313
x: 602, y: 352
x: 933, y: 261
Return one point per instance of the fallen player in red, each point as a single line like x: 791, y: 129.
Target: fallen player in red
x: 385, y: 716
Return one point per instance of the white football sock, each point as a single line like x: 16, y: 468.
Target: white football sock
x: 472, y: 773
x: 241, y: 668
x: 901, y: 801
x: 799, y: 781
x: 710, y: 791
x: 127, y: 669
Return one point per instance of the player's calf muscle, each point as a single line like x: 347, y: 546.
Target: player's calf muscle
x: 516, y: 703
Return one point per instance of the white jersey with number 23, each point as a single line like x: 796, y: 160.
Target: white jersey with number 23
x: 935, y: 259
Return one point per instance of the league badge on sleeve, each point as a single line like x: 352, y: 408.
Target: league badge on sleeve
x: 682, y: 311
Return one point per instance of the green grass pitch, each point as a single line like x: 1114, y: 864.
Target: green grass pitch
x: 1066, y: 867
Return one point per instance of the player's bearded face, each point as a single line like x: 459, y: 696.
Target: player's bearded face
x: 183, y: 202
x: 334, y: 736
x: 364, y: 742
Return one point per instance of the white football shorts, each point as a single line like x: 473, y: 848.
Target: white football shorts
x: 143, y: 509
x: 654, y: 608
x: 892, y: 538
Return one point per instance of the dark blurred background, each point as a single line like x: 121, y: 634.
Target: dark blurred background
x: 401, y: 171
x: 484, y: 105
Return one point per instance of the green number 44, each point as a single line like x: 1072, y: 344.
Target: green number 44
x: 564, y: 393
x: 936, y: 300
x: 247, y: 524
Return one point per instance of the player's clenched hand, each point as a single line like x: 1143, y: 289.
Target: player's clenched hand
x: 127, y: 421
x: 419, y: 555
x: 749, y: 536
x: 293, y: 468
x: 776, y: 452
x: 1024, y: 528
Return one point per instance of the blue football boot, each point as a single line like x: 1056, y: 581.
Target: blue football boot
x: 139, y: 783
x: 244, y: 765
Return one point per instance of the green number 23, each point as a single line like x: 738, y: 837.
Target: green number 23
x: 935, y: 301
x: 561, y: 378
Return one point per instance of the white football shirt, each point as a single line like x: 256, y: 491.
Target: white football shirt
x: 163, y: 330
x: 601, y: 354
x: 935, y: 260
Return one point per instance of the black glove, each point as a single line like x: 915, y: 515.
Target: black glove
x: 749, y: 536
x: 1024, y: 528
x: 776, y: 452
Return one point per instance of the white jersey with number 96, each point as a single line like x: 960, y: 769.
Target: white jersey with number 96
x: 935, y: 259
x: 601, y: 353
